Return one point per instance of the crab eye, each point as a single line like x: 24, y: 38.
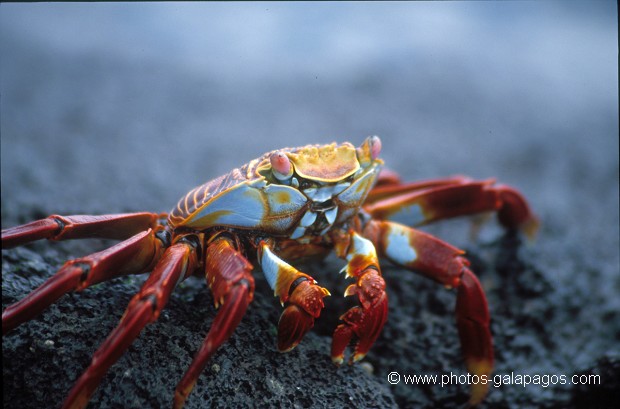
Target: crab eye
x: 369, y: 150
x: 281, y: 166
x: 375, y: 146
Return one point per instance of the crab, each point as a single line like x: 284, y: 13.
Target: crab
x: 285, y: 206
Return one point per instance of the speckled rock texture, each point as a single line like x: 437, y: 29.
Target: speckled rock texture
x: 116, y: 108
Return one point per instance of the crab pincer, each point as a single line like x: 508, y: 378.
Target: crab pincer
x: 300, y: 293
x: 304, y: 306
x: 361, y: 324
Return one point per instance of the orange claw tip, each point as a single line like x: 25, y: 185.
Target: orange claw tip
x: 180, y: 395
x: 179, y: 400
x: 77, y: 401
x: 477, y: 393
x: 338, y: 360
x: 356, y: 357
x: 283, y: 349
x: 351, y: 290
x: 478, y: 367
x: 530, y: 228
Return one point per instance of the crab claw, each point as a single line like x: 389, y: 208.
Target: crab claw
x: 293, y: 325
x: 363, y: 323
x: 304, y: 305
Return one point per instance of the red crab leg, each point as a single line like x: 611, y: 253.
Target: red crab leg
x: 445, y: 264
x: 425, y: 202
x: 110, y: 226
x: 390, y: 187
x: 177, y: 263
x: 300, y: 292
x: 232, y: 285
x: 364, y: 322
x: 131, y: 256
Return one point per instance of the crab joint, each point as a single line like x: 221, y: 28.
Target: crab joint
x: 360, y: 255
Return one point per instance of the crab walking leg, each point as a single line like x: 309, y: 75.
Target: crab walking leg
x: 445, y: 264
x: 390, y: 186
x: 364, y: 322
x: 300, y: 292
x: 232, y: 285
x: 132, y: 256
x: 417, y: 207
x: 55, y: 227
x: 177, y: 263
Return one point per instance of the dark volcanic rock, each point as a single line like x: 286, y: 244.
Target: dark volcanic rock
x: 44, y: 357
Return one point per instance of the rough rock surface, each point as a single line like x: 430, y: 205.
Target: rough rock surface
x: 97, y: 132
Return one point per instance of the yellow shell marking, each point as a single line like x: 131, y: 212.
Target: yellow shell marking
x: 325, y: 163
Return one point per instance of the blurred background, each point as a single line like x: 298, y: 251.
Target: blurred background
x: 109, y: 97
x: 108, y: 108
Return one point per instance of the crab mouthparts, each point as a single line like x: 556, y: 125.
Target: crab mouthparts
x: 323, y: 194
